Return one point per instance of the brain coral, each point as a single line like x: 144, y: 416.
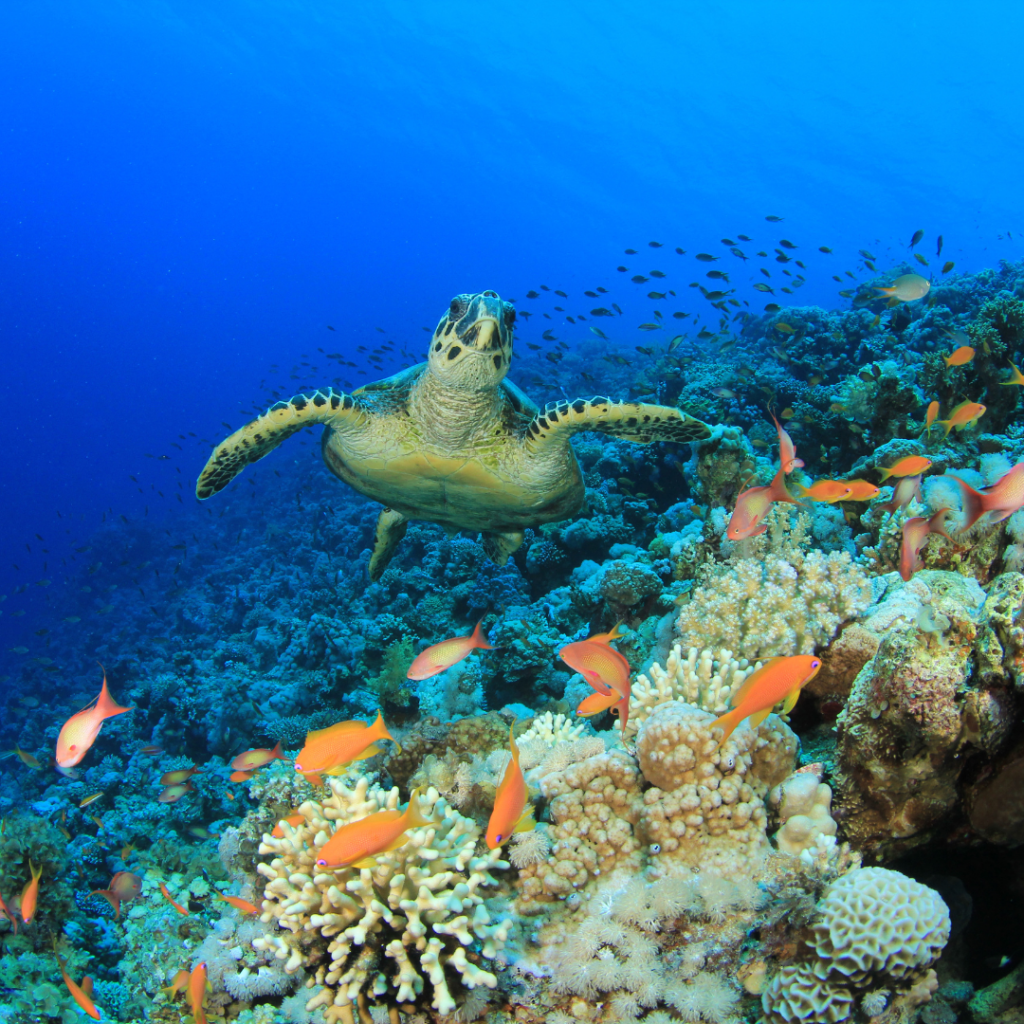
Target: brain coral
x: 875, y: 921
x: 421, y: 907
x: 796, y: 993
x: 772, y: 606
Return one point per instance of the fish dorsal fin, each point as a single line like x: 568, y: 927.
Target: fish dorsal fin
x: 750, y: 682
x: 339, y: 729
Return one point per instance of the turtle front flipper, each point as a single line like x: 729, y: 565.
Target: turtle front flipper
x: 391, y: 527
x: 260, y: 437
x: 632, y: 421
x: 498, y: 546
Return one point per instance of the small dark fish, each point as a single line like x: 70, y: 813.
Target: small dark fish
x: 744, y: 238
x: 706, y: 257
x: 622, y: 270
x: 938, y: 250
x: 947, y: 267
x: 533, y: 295
x: 782, y: 258
x: 719, y: 275
x: 738, y: 253
x: 601, y: 311
x: 869, y: 265
x: 591, y: 295
x: 705, y: 334
x: 674, y: 343
x: 650, y: 327
x: 329, y: 327
x: 715, y: 296
x: 603, y: 291
x: 599, y: 333
x: 638, y: 279
x: 548, y: 336
x: 727, y: 241
x: 657, y: 273
x: 536, y: 348
x: 786, y: 243
x: 915, y: 238
x: 825, y: 249
x: 773, y: 219
x: 655, y: 295
x: 920, y: 259
x: 772, y: 307
x: 867, y: 255
x: 616, y: 308
x: 678, y: 315
x: 564, y: 296
x: 654, y: 245
x: 631, y: 252
x: 680, y: 252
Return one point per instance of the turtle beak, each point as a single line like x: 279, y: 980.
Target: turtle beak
x: 480, y: 326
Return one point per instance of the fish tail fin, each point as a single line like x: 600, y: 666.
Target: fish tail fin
x: 526, y: 822
x: 36, y: 875
x: 106, y: 705
x: 778, y: 490
x: 416, y: 817
x: 937, y: 523
x: 477, y: 639
x: 622, y: 708
x: 973, y: 503
x: 947, y: 426
x: 380, y: 731
x: 727, y: 723
x: 277, y: 753
x: 512, y: 746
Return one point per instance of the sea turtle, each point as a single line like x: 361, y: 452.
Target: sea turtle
x: 451, y: 440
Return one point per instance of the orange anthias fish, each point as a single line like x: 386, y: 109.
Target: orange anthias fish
x: 1016, y: 377
x: 964, y: 354
x: 511, y: 812
x: 330, y: 751
x: 80, y: 993
x: 907, y: 488
x: 242, y: 776
x: 929, y: 417
x: 79, y: 732
x: 861, y: 490
x: 177, y: 906
x: 606, y: 670
x: 358, y: 843
x: 1002, y: 499
x: 253, y: 759
x: 829, y: 491
x: 963, y: 416
x: 910, y: 465
x: 787, y: 450
x: 916, y: 532
x: 238, y: 903
x: 197, y: 992
x: 438, y: 657
x: 292, y: 819
x: 753, y: 505
x: 781, y: 679
x: 179, y: 982
x: 30, y: 894
x: 178, y: 776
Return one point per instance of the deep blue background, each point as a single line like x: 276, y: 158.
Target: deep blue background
x: 190, y: 192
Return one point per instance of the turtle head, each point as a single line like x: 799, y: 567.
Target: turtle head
x: 472, y: 346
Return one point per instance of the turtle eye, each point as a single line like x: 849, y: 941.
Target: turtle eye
x: 457, y: 309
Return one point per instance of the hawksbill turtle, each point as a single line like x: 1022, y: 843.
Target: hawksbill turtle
x: 451, y: 440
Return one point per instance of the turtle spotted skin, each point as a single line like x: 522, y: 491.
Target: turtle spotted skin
x: 451, y: 441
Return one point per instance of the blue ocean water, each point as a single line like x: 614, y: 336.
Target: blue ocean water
x: 208, y: 206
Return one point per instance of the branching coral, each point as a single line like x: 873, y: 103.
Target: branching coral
x: 421, y: 907
x: 775, y: 605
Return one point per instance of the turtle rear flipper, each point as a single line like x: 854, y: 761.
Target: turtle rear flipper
x: 632, y: 421
x: 260, y: 437
x: 391, y: 527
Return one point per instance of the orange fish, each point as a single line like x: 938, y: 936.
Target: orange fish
x: 780, y: 679
x: 127, y: 850
x: 172, y: 794
x: 30, y: 894
x: 929, y: 417
x: 963, y: 416
x: 1016, y: 377
x: 787, y: 450
x: 601, y: 665
x: 111, y: 898
x: 29, y: 759
x: 511, y: 812
x: 438, y: 657
x: 910, y: 465
x: 964, y: 354
x: 596, y: 702
x: 239, y: 904
x: 753, y: 505
x: 615, y: 633
x: 197, y: 992
x: 126, y: 885
x: 330, y: 751
x: 80, y: 993
x: 915, y: 535
x: 79, y: 732
x: 177, y: 906
x: 358, y: 843
x: 253, y: 759
x: 1000, y: 500
x: 829, y: 491
x: 180, y: 981
x: 241, y: 776
x: 907, y: 488
x: 178, y: 776
x: 293, y: 819
x: 4, y: 912
x: 861, y: 490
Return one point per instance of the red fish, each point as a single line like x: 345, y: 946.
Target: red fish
x: 178, y: 776
x: 512, y: 811
x: 80, y: 993
x: 606, y: 671
x: 438, y: 657
x: 787, y: 450
x: 1000, y: 500
x: 780, y: 679
x: 253, y: 759
x: 79, y: 732
x: 906, y: 489
x: 916, y: 532
x: 238, y: 903
x: 177, y: 906
x: 753, y: 505
x: 172, y: 794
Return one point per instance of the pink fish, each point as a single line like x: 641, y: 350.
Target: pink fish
x: 787, y: 450
x: 916, y: 532
x: 753, y: 505
x: 79, y: 732
x: 1002, y: 499
x: 908, y: 487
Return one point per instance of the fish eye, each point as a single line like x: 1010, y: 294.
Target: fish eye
x: 655, y: 848
x: 498, y: 839
x: 321, y: 863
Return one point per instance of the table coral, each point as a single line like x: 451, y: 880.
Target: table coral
x: 775, y: 605
x: 421, y: 907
